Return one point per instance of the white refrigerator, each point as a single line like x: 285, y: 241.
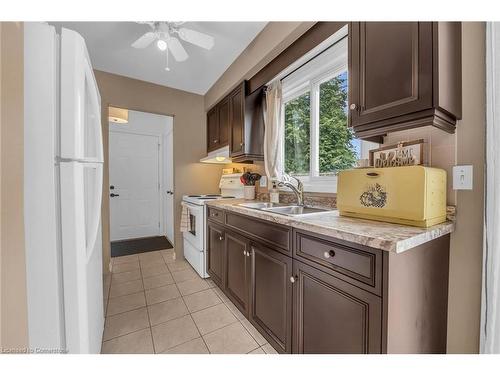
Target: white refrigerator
x: 63, y: 158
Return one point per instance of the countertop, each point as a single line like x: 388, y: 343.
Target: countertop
x: 379, y: 235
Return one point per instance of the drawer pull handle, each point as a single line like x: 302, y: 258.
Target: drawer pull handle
x: 329, y: 254
x: 372, y: 174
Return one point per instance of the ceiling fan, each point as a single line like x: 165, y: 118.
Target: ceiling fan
x: 167, y: 34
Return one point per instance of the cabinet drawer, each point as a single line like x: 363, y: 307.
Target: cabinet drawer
x: 361, y: 264
x: 216, y: 214
x: 265, y: 231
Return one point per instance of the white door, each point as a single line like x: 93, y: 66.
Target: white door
x: 169, y: 185
x: 134, y: 186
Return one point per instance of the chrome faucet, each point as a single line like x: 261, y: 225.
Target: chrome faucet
x: 298, y: 191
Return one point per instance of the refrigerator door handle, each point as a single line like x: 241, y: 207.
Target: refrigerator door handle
x: 95, y: 100
x: 95, y: 214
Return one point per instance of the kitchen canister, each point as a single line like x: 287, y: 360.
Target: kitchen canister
x: 249, y: 192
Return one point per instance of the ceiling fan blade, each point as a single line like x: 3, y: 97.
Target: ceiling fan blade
x: 144, y: 40
x: 195, y: 37
x: 177, y: 49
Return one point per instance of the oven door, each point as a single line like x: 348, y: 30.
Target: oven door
x: 197, y: 233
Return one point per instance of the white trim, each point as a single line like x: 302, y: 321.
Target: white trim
x: 330, y: 61
x: 490, y: 295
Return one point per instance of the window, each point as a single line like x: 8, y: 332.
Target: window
x: 317, y: 139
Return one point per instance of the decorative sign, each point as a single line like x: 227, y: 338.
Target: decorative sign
x: 399, y: 155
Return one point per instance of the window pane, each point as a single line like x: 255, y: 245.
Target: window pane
x: 337, y: 146
x: 297, y: 130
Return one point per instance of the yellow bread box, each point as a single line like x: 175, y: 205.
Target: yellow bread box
x: 413, y: 195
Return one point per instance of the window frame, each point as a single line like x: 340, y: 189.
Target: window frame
x: 308, y: 78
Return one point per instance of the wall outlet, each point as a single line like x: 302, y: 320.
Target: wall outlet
x: 462, y: 177
x: 263, y: 181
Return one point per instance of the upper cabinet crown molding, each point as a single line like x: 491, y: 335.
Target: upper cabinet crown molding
x: 404, y: 75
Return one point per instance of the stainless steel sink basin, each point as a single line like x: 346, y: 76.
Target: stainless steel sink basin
x: 295, y: 210
x: 261, y: 205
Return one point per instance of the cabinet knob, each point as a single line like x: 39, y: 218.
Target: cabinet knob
x: 215, y: 140
x: 221, y: 238
x: 248, y: 253
x: 241, y: 144
x: 244, y: 252
x: 353, y: 106
x: 292, y: 279
x: 329, y: 254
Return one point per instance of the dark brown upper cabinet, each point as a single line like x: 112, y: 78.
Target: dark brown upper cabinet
x: 237, y: 104
x: 213, y: 142
x: 238, y: 120
x: 224, y: 121
x: 237, y: 275
x: 404, y: 75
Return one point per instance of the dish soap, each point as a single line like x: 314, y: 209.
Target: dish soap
x: 274, y: 194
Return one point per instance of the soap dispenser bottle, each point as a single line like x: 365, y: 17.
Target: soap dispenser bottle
x: 274, y: 194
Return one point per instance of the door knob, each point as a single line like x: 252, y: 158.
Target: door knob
x: 112, y: 195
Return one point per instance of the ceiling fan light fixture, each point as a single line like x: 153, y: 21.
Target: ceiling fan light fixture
x: 161, y: 44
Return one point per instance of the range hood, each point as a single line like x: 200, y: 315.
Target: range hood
x: 219, y: 156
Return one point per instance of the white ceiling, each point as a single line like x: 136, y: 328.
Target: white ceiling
x: 109, y: 48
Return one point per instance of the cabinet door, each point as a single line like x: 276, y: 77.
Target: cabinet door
x: 237, y: 122
x: 390, y: 70
x: 237, y: 275
x: 224, y: 120
x: 215, y: 256
x: 271, y: 296
x: 332, y: 316
x: 213, y: 129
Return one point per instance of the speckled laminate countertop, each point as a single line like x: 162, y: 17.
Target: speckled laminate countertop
x: 385, y: 236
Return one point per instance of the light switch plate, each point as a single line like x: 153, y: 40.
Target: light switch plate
x: 462, y: 177
x: 263, y: 181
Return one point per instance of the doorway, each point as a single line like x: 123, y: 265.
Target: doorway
x: 141, y: 183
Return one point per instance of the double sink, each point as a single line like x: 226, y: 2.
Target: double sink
x: 283, y: 209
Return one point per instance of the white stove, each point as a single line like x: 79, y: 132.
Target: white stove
x: 200, y: 200
x: 195, y: 241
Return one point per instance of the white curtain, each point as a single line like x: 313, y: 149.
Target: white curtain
x: 490, y: 314
x: 273, y: 133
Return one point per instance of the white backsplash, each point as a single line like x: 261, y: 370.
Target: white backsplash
x: 439, y: 150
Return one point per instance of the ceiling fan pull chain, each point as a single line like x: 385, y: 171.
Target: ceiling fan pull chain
x: 167, y: 68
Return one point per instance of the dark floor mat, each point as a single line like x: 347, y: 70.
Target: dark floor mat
x: 139, y: 245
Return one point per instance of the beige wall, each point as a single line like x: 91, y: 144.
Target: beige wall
x: 466, y: 146
x: 268, y: 44
x: 14, y: 320
x: 467, y: 242
x: 190, y: 176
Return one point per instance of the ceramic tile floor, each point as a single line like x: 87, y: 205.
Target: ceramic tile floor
x: 156, y: 304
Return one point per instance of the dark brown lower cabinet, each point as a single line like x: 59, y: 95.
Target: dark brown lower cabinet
x: 332, y: 316
x: 271, y: 296
x: 353, y: 300
x: 237, y: 275
x: 215, y: 256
